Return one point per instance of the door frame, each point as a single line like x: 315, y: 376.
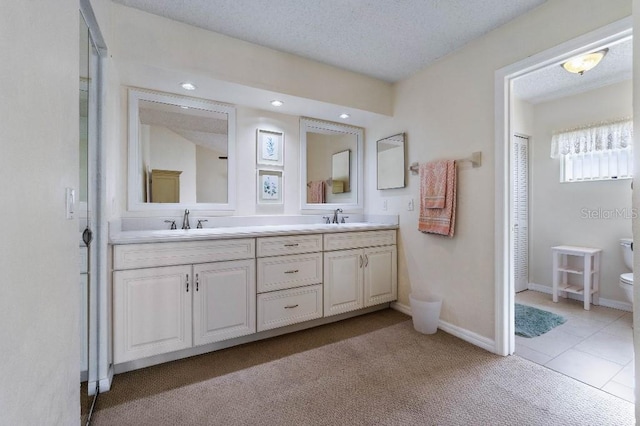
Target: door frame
x: 503, y: 243
x: 99, y: 372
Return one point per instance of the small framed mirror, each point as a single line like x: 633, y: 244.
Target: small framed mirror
x: 332, y: 160
x: 391, y: 169
x: 181, y: 153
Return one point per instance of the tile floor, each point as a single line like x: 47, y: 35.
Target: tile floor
x: 594, y: 346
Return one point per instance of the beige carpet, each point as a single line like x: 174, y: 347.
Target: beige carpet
x: 373, y: 369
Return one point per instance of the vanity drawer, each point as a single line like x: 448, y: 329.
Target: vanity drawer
x: 351, y: 240
x: 134, y: 256
x: 286, y: 307
x: 295, y: 244
x: 282, y: 272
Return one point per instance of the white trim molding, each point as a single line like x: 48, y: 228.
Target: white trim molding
x: 459, y: 332
x: 608, y: 303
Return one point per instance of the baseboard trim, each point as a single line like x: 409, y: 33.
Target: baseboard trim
x: 401, y: 307
x: 609, y: 303
x: 459, y: 332
x: 468, y: 336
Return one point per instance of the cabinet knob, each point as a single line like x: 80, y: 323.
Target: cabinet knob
x: 197, y: 283
x: 293, y: 271
x: 366, y: 260
x: 291, y: 245
x: 187, y: 283
x: 361, y: 261
x: 291, y: 306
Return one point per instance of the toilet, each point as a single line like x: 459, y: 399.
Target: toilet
x: 626, y: 279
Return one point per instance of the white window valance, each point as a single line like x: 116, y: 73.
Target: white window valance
x: 593, y: 138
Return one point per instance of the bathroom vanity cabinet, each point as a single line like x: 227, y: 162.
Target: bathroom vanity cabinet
x: 159, y: 309
x: 365, y: 274
x: 180, y: 296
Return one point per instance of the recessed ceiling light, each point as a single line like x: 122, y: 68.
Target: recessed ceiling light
x: 184, y: 107
x: 582, y: 63
x: 188, y: 86
x: 277, y: 103
x: 344, y: 116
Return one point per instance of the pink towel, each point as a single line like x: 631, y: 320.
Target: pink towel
x: 435, y: 183
x: 316, y: 192
x: 438, y: 220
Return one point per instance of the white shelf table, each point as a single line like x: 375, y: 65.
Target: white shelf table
x: 590, y: 271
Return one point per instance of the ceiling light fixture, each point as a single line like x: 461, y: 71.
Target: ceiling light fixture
x: 277, y: 103
x: 344, y: 116
x: 188, y: 86
x: 582, y: 63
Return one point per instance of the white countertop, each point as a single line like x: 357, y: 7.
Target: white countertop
x: 165, y: 235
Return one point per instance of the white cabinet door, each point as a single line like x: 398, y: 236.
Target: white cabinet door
x: 380, y: 275
x: 343, y: 281
x: 224, y: 300
x: 152, y: 311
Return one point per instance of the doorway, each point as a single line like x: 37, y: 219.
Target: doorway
x: 504, y: 123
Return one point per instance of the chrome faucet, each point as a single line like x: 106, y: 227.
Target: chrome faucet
x: 185, y: 220
x: 335, y: 215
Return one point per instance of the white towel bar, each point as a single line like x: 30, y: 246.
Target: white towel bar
x: 475, y: 159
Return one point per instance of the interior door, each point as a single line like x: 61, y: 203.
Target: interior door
x: 520, y: 219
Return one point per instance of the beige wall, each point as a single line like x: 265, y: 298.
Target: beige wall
x: 155, y: 45
x: 447, y: 111
x: 558, y: 210
x: 39, y: 264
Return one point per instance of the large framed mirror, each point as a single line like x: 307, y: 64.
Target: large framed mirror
x: 332, y: 164
x: 390, y: 162
x: 181, y: 153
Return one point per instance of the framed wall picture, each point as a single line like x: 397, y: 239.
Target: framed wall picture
x: 270, y: 147
x: 270, y: 186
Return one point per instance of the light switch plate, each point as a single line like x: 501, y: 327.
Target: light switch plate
x: 410, y: 205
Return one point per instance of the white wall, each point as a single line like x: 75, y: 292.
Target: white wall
x: 558, y: 210
x: 447, y: 111
x: 522, y: 116
x: 248, y: 121
x: 211, y: 175
x: 170, y: 151
x: 39, y: 264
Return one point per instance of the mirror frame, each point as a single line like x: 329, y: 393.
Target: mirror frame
x: 134, y: 180
x: 404, y: 161
x: 356, y: 177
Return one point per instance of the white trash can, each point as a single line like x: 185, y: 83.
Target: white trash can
x: 426, y: 313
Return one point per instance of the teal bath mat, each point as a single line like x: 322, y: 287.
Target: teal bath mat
x: 532, y: 322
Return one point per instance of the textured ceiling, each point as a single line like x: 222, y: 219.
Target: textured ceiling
x: 554, y: 82
x: 386, y: 39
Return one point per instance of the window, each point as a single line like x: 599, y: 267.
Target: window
x: 601, y: 165
x: 596, y: 152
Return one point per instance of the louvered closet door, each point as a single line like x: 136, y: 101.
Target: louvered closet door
x: 520, y: 212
